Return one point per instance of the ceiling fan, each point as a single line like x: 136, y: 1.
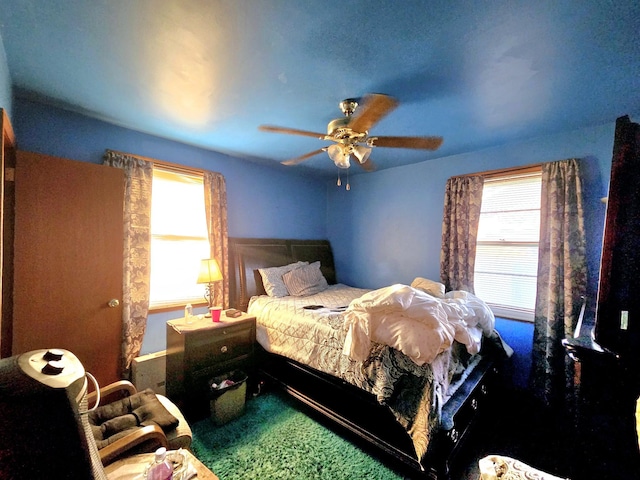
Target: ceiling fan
x: 350, y: 133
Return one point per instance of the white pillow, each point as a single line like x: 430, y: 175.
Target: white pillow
x: 305, y: 280
x: 435, y: 289
x: 272, y: 278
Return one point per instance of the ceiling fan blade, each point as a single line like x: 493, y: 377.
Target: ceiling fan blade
x: 374, y: 107
x: 292, y: 131
x: 302, y: 158
x: 422, y: 143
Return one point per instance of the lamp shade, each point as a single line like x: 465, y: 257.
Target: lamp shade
x: 339, y: 154
x: 361, y: 153
x: 209, y: 271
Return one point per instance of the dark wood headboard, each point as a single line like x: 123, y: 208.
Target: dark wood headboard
x: 247, y: 255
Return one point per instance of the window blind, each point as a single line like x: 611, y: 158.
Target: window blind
x: 507, y: 245
x: 179, y: 238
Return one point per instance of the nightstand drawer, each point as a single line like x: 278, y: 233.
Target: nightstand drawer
x: 232, y: 343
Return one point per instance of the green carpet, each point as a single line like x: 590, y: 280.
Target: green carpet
x: 275, y: 440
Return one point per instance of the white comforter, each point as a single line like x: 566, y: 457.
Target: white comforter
x: 417, y: 324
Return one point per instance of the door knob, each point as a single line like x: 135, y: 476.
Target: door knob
x: 113, y: 303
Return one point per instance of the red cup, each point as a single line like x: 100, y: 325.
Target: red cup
x: 215, y: 313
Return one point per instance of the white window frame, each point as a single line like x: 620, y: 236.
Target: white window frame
x: 500, y: 310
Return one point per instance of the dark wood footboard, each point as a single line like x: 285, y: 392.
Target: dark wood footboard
x: 360, y: 414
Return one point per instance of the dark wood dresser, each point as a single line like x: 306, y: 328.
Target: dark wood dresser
x: 604, y: 443
x: 607, y: 355
x: 203, y: 350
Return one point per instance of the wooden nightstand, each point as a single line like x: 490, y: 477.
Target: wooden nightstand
x: 200, y: 351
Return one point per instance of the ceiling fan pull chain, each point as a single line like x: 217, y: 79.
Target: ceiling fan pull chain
x: 348, y: 187
x: 338, y: 182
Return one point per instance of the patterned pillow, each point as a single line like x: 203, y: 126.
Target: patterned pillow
x: 272, y: 278
x: 305, y: 280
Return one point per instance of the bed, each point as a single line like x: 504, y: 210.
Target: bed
x: 417, y: 407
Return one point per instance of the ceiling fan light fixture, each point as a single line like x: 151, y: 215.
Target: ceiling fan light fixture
x: 339, y: 154
x: 362, y: 153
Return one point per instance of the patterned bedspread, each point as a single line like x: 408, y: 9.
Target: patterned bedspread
x: 414, y: 394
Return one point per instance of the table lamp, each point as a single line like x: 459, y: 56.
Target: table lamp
x: 209, y: 273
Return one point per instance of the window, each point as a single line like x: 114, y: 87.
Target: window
x: 179, y: 237
x: 507, y: 247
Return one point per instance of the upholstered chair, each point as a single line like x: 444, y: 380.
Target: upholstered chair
x: 128, y: 422
x: 45, y: 425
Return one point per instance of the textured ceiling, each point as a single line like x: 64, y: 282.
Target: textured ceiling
x: 207, y: 73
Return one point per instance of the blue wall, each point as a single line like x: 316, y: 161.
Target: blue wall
x: 5, y: 82
x: 388, y: 227
x: 262, y: 201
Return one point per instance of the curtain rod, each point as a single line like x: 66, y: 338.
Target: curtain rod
x: 168, y: 165
x: 534, y: 167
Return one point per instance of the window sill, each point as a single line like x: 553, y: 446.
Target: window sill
x: 512, y: 313
x: 172, y: 307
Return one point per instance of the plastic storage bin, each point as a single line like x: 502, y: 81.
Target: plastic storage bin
x: 226, y: 398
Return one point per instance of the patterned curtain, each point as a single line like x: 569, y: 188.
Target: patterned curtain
x: 562, y: 281
x: 137, y: 243
x: 462, y: 201
x: 215, y: 201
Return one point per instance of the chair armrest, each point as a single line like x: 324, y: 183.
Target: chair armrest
x: 150, y: 433
x: 122, y: 385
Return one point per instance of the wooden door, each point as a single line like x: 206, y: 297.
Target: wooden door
x: 68, y: 260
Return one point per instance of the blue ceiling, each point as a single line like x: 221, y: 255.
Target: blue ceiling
x: 208, y: 73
